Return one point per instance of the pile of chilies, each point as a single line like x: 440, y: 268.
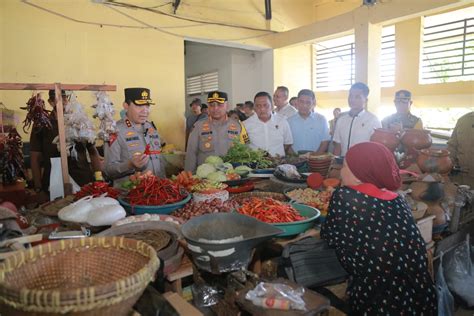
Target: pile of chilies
x: 156, y: 191
x: 96, y: 189
x: 269, y: 210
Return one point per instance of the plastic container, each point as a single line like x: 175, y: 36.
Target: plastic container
x: 295, y: 228
x: 425, y: 225
x: 158, y: 209
x: 419, y: 210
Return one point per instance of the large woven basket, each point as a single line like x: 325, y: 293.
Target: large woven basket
x: 88, y: 276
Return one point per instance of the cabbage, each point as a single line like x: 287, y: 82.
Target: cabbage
x: 218, y: 176
x: 228, y: 166
x: 204, y: 170
x: 243, y: 168
x: 214, y: 160
x: 225, y: 167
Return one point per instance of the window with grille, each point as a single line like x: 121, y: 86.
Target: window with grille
x: 201, y: 84
x: 448, y: 47
x: 387, y: 57
x: 334, y: 62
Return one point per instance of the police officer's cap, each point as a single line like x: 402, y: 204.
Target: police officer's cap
x: 139, y: 96
x: 217, y: 96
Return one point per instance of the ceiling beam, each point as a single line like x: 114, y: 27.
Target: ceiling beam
x: 385, y: 13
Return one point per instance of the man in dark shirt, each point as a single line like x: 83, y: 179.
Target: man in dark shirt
x: 195, y: 116
x: 42, y: 150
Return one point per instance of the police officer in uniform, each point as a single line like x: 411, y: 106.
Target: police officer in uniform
x: 213, y: 136
x: 403, y: 119
x: 136, y: 144
x: 461, y: 149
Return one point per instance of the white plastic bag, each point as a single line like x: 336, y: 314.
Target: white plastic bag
x: 56, y: 186
x: 445, y: 299
x: 459, y: 272
x: 277, y: 296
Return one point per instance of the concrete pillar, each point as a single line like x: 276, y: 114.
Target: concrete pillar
x: 368, y: 42
x: 407, y: 55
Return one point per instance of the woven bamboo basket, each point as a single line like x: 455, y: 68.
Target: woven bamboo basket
x: 88, y: 276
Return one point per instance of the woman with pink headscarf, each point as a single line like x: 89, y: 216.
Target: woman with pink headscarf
x: 376, y: 238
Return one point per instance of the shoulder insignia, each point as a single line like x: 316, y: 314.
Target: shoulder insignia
x: 128, y: 123
x: 112, y: 138
x: 233, y: 127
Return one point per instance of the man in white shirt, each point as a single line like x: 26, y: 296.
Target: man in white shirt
x: 282, y: 107
x: 357, y: 125
x: 266, y: 130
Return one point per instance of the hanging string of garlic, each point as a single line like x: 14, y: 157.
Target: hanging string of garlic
x: 104, y: 111
x: 78, y: 126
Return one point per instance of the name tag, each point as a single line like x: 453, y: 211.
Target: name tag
x: 131, y: 139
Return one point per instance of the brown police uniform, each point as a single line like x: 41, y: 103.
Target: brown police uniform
x: 211, y: 138
x: 461, y: 144
x: 407, y: 121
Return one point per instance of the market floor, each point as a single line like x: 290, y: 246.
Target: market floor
x: 464, y: 312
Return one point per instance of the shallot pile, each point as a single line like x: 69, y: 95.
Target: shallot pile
x: 206, y: 207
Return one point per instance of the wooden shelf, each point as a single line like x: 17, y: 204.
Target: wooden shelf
x: 60, y: 113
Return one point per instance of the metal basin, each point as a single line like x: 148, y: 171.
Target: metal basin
x: 223, y: 242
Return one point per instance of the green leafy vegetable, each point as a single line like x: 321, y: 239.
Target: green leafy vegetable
x: 241, y: 153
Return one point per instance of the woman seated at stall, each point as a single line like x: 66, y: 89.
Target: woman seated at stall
x: 376, y: 238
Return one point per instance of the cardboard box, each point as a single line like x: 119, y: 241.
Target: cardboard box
x: 181, y: 306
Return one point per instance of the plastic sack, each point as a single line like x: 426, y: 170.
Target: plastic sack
x: 205, y: 295
x: 445, y: 299
x: 277, y: 296
x: 460, y: 274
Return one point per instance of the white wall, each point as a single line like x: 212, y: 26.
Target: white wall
x: 250, y: 74
x: 242, y: 73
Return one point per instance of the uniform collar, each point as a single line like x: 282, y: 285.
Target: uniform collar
x: 136, y: 126
x: 214, y: 122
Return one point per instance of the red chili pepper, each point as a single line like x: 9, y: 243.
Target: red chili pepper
x: 270, y: 211
x: 96, y: 189
x: 148, y: 151
x: 156, y: 191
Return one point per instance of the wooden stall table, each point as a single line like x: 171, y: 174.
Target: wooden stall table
x: 14, y: 193
x: 174, y: 280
